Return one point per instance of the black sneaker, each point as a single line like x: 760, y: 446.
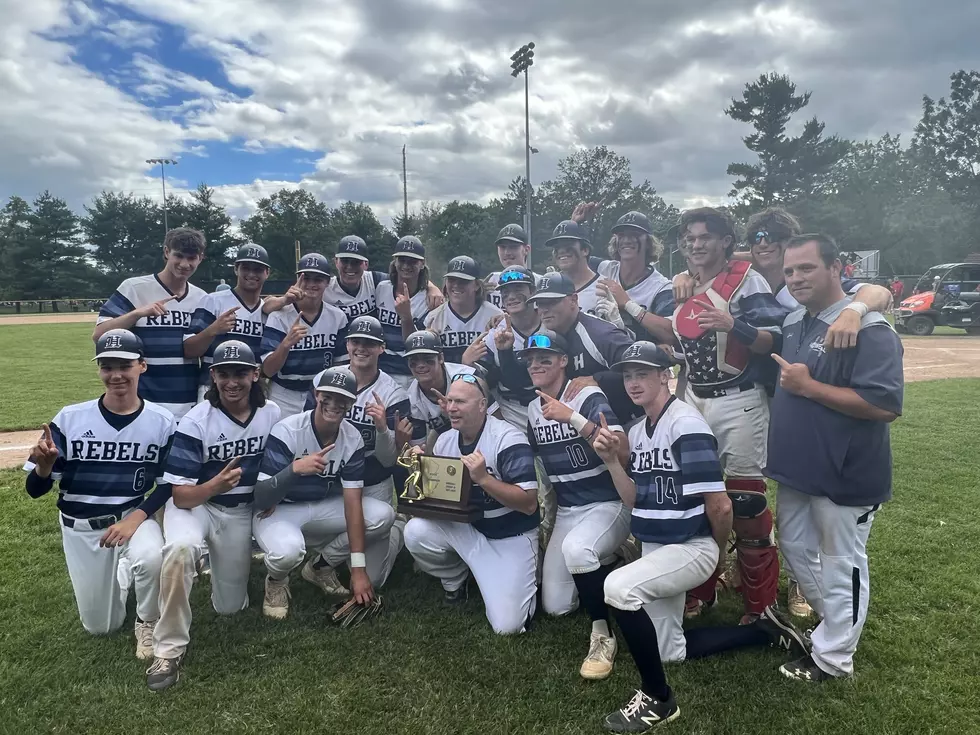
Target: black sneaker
x: 782, y: 633
x: 163, y: 673
x: 804, y: 669
x: 456, y: 597
x: 642, y: 714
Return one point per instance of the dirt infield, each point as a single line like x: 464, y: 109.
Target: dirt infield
x: 926, y: 358
x: 69, y: 318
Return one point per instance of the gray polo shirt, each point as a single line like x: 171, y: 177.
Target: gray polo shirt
x: 819, y: 451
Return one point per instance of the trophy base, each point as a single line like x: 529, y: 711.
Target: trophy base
x: 439, y: 510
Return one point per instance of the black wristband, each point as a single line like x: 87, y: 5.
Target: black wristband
x: 744, y: 332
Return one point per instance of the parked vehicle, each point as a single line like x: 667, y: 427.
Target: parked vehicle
x: 946, y: 295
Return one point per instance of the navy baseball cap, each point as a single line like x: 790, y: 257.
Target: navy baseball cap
x: 366, y: 327
x: 567, y: 230
x: 511, y: 233
x: 313, y: 263
x: 234, y: 352
x: 119, y: 343
x: 352, y: 247
x: 547, y: 341
x: 337, y: 380
x: 515, y: 274
x: 422, y: 342
x: 252, y: 253
x: 464, y: 267
x: 553, y: 286
x: 643, y: 353
x: 409, y: 247
x: 633, y: 221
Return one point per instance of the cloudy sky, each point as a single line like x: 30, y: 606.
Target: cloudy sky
x: 254, y: 95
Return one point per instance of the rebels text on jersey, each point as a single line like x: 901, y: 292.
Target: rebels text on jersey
x: 106, y: 468
x: 393, y: 360
x: 456, y: 333
x: 577, y: 473
x: 170, y: 379
x: 674, y: 462
x: 208, y: 438
x: 248, y: 325
x: 295, y: 437
x: 510, y: 460
x: 362, y: 303
x: 322, y: 345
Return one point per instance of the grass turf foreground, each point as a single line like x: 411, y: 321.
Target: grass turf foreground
x: 421, y: 668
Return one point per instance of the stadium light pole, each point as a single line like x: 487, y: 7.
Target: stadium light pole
x: 163, y: 178
x: 521, y: 61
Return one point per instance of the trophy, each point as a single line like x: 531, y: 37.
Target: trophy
x: 438, y: 488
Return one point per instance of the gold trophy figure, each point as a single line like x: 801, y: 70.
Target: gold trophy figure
x: 411, y: 461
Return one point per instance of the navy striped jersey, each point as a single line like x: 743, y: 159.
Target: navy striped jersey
x: 510, y: 460
x: 170, y: 379
x: 653, y: 292
x: 493, y: 295
x: 426, y: 415
x: 248, y: 325
x: 511, y: 398
x: 393, y: 360
x: 208, y: 438
x: 102, y: 470
x: 322, y: 345
x: 395, y: 401
x: 455, y: 332
x: 674, y: 462
x: 295, y: 437
x: 575, y: 470
x: 362, y: 303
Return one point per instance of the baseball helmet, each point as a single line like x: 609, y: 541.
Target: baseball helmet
x: 234, y: 352
x: 409, y: 247
x: 313, y: 263
x: 547, y: 341
x: 366, y: 327
x: 553, y: 286
x: 515, y: 274
x: 633, y: 221
x: 569, y: 229
x: 352, y: 247
x: 337, y: 380
x: 422, y: 342
x: 643, y: 353
x: 119, y: 343
x: 511, y: 233
x: 463, y: 267
x: 252, y: 253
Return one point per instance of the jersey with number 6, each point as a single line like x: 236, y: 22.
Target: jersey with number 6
x: 674, y: 462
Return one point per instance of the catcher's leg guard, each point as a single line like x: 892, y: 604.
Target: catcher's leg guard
x: 757, y: 556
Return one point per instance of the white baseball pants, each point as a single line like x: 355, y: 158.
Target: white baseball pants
x: 504, y: 569
x: 740, y: 422
x: 228, y: 535
x: 101, y: 578
x: 285, y: 535
x: 290, y: 402
x: 584, y: 538
x: 658, y: 582
x: 836, y: 585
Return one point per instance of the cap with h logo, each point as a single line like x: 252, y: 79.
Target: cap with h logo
x: 313, y: 263
x: 409, y: 247
x: 515, y: 275
x: 633, y: 221
x: 553, y: 286
x: 567, y: 230
x: 547, y: 341
x: 252, y: 253
x: 422, y: 342
x: 366, y: 327
x: 352, y: 247
x: 643, y: 353
x: 234, y: 352
x: 464, y: 267
x: 119, y: 343
x: 337, y: 380
x: 511, y: 233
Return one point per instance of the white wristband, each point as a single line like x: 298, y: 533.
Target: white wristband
x: 860, y: 309
x: 634, y: 309
x: 578, y: 421
x: 357, y: 560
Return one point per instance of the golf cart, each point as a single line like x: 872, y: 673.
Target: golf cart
x: 947, y: 295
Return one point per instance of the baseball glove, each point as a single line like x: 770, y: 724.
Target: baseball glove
x: 351, y: 613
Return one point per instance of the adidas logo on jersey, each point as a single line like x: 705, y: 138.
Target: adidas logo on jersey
x: 222, y: 438
x: 88, y: 434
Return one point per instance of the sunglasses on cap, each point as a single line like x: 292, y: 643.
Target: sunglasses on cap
x: 471, y: 379
x: 512, y: 277
x: 540, y: 341
x: 769, y: 236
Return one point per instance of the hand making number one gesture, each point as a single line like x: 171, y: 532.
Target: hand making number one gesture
x: 553, y: 409
x: 312, y: 464
x: 606, y: 443
x: 793, y: 377
x: 45, y: 452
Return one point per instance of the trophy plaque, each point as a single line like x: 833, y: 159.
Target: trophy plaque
x: 438, y: 488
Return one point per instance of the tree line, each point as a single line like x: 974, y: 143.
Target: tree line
x: 919, y: 204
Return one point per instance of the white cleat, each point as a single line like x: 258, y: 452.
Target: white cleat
x: 144, y: 640
x: 325, y: 578
x: 598, y: 664
x: 276, y: 602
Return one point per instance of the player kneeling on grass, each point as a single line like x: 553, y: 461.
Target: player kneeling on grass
x: 310, y: 492
x: 683, y: 517
x: 105, y: 455
x: 591, y: 522
x: 212, y: 466
x: 500, y: 549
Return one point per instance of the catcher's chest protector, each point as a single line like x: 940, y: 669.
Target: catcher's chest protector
x: 712, y: 357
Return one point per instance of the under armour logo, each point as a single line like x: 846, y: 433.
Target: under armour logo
x: 231, y: 352
x: 113, y: 342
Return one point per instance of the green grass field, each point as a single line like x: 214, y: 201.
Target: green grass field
x: 424, y: 669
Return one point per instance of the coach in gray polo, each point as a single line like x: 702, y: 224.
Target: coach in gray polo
x: 829, y: 450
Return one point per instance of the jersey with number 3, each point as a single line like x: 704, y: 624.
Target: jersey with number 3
x: 321, y: 346
x: 674, y: 463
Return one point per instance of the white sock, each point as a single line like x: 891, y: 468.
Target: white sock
x: 601, y: 627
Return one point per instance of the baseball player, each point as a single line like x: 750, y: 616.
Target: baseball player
x: 211, y: 467
x: 500, y: 550
x: 402, y: 305
x: 829, y: 450
x: 234, y: 313
x: 571, y: 247
x: 467, y: 316
x: 513, y: 249
x: 382, y: 414
x: 303, y: 338
x: 592, y: 522
x: 106, y: 454
x: 310, y: 491
x: 158, y: 309
x: 632, y: 280
x: 683, y: 517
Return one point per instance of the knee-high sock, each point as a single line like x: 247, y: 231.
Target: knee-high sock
x: 703, y: 642
x: 591, y: 594
x: 641, y: 639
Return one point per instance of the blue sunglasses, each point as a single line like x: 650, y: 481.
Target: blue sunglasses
x: 540, y: 341
x: 471, y: 379
x: 513, y: 277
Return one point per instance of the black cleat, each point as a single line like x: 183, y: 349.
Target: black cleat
x: 642, y: 714
x: 456, y: 597
x: 782, y: 633
x: 804, y: 669
x: 163, y: 673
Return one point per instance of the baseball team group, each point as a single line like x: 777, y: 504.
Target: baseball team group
x: 617, y: 429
